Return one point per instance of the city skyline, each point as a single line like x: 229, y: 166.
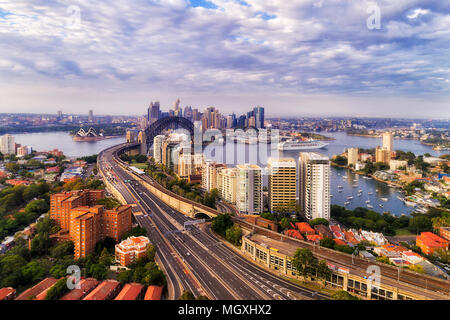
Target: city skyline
x: 299, y: 58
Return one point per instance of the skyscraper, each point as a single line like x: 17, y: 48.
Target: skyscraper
x: 352, y: 156
x: 282, y: 183
x: 7, y: 144
x: 258, y: 113
x: 91, y: 116
x: 388, y: 141
x: 314, y: 185
x: 153, y: 112
x: 157, y: 147
x: 249, y: 198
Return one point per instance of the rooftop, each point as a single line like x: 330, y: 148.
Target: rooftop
x: 131, y: 291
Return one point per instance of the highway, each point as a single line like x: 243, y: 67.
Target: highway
x: 222, y: 273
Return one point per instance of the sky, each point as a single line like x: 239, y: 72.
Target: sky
x: 385, y: 58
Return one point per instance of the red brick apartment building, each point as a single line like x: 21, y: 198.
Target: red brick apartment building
x: 131, y: 249
x: 107, y: 290
x: 87, y: 223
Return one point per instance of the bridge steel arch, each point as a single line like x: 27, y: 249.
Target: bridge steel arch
x: 160, y: 125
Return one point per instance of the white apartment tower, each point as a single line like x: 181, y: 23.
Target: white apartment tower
x: 227, y: 184
x: 7, y: 144
x: 352, y: 156
x: 249, y: 189
x: 388, y: 141
x: 314, y: 185
x: 157, y: 148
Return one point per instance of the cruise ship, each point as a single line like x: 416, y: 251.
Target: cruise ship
x: 301, y: 145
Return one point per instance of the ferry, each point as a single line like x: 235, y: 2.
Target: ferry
x: 349, y: 198
x: 384, y: 199
x: 369, y: 206
x: 301, y: 145
x: 346, y: 203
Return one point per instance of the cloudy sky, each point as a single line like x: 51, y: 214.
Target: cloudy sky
x: 294, y: 57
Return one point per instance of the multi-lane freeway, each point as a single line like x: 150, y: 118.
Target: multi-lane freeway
x: 192, y: 258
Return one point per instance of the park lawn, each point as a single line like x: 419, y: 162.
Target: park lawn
x: 402, y: 232
x: 141, y: 166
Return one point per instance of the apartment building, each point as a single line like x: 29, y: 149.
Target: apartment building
x: 249, y: 189
x: 282, y: 183
x: 227, y: 184
x: 61, y: 204
x: 352, y: 156
x: 314, y: 185
x: 131, y: 249
x: 87, y: 223
x: 210, y: 174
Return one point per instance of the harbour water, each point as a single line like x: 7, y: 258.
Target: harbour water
x: 373, y: 193
x: 46, y: 141
x: 233, y: 154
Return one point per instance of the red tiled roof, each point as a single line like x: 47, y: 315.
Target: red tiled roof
x: 86, y: 286
x: 339, y: 241
x: 37, y: 289
x: 131, y: 291
x: 305, y: 227
x: 153, y: 293
x: 102, y: 291
x: 5, y: 292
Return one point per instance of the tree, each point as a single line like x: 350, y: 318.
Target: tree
x: 135, y: 232
x: 62, y: 249
x: 327, y: 243
x: 221, y: 223
x: 343, y: 295
x: 125, y: 276
x: 443, y: 255
x: 234, y: 235
x: 187, y: 295
x: 151, y: 252
x: 105, y: 258
x: 317, y: 221
x: 98, y: 271
x: 305, y: 262
x: 57, y: 290
x: 420, y: 223
x: 58, y: 271
x: 109, y: 203
x: 323, y: 271
x: 12, y: 167
x: 11, y: 270
x: 33, y: 272
x: 416, y: 268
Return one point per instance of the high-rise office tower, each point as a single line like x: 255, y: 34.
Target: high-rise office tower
x: 249, y: 198
x: 196, y: 116
x: 7, y: 144
x: 258, y: 113
x: 314, y: 185
x: 153, y: 112
x: 282, y: 183
x: 60, y: 115
x: 352, y: 156
x: 91, y: 116
x: 388, y: 141
x: 188, y: 114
